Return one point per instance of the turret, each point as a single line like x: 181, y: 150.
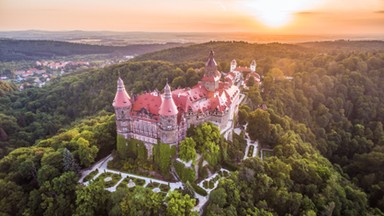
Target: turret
x: 211, y: 76
x: 122, y: 105
x: 210, y: 65
x: 253, y: 66
x: 233, y: 65
x: 168, y: 118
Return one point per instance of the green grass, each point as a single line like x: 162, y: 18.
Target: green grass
x: 208, y: 184
x: 115, y: 178
x: 124, y: 183
x: 140, y: 182
x: 250, y: 151
x: 153, y: 185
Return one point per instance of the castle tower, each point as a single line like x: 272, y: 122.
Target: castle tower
x: 168, y: 118
x: 233, y: 65
x: 253, y: 66
x: 211, y: 76
x: 122, y: 105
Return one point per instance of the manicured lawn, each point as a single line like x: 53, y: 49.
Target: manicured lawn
x: 208, y: 184
x: 250, y: 151
x: 153, y: 185
x: 140, y: 182
x: 124, y: 183
x: 109, y: 179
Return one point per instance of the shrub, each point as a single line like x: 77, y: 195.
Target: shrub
x: 185, y: 174
x: 199, y: 190
x: 91, y: 175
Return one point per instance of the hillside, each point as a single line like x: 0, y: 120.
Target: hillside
x: 15, y: 50
x: 226, y: 51
x: 345, y: 45
x: 325, y: 126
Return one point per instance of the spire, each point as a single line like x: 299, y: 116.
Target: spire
x: 167, y: 91
x: 168, y: 106
x: 211, y: 65
x: 122, y: 98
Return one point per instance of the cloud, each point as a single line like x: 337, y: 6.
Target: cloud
x: 380, y: 12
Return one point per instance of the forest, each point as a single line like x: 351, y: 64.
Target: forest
x: 16, y: 50
x: 325, y: 126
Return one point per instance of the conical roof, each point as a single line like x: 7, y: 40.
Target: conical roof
x: 211, y: 63
x: 122, y: 98
x: 168, y: 106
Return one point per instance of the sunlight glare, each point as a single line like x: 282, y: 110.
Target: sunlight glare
x: 277, y: 13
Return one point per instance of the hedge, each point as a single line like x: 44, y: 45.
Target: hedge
x: 185, y: 174
x: 199, y: 190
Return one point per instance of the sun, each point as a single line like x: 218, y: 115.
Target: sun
x: 277, y: 13
x: 274, y: 19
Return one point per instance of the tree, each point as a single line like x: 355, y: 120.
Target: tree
x: 178, y: 82
x: 12, y: 198
x: 69, y: 163
x: 177, y: 204
x: 191, y: 77
x: 91, y: 199
x: 206, y: 132
x: 250, y: 82
x: 47, y: 173
x: 142, y: 201
x: 218, y: 197
x: 243, y: 116
x: 187, y: 150
x: 86, y: 152
x: 58, y: 196
x: 162, y: 158
x: 207, y: 138
x: 276, y: 73
x: 259, y: 125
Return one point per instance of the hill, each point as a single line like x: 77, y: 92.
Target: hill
x: 345, y: 45
x: 226, y: 51
x: 324, y: 125
x: 14, y: 50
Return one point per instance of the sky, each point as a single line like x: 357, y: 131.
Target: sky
x: 258, y: 16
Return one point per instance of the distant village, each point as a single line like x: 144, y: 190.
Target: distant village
x: 43, y: 71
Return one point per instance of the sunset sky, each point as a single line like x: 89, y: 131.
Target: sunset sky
x: 262, y: 16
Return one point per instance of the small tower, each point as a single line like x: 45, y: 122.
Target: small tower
x: 253, y: 66
x: 168, y: 118
x: 211, y: 76
x: 122, y: 105
x: 233, y: 65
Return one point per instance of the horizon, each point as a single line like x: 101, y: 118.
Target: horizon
x: 274, y: 17
x: 117, y: 38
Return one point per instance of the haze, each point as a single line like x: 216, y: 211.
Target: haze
x: 260, y: 16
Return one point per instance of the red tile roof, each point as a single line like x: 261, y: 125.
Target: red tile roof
x: 149, y: 101
x: 243, y: 69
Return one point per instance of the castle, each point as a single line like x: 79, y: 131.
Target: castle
x: 154, y: 117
